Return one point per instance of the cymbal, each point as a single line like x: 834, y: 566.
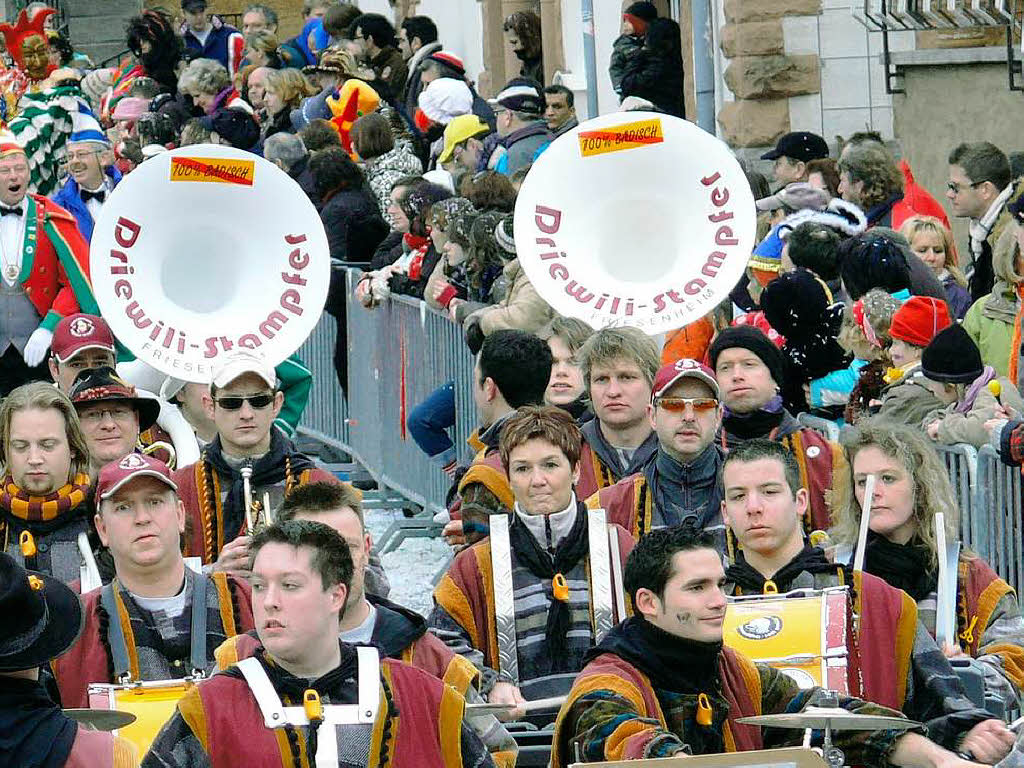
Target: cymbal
x: 101, y: 719
x: 832, y: 717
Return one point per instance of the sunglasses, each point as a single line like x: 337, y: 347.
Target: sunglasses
x: 256, y: 401
x: 678, y: 404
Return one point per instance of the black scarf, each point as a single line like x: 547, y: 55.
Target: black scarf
x: 32, y: 726
x: 568, y: 553
x: 904, y: 566
x: 672, y: 663
x: 269, y: 469
x: 757, y: 423
x: 750, y: 581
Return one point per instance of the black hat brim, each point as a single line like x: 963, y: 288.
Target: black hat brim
x: 63, y: 626
x: 147, y: 408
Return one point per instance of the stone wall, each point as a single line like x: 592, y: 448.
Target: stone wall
x: 761, y: 76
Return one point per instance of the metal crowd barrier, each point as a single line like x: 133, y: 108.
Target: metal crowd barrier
x: 398, y: 354
x: 998, y: 510
x: 961, y: 461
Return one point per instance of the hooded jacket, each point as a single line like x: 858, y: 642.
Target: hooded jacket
x: 990, y: 319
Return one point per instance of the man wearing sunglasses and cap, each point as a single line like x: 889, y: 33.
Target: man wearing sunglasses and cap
x: 244, y: 401
x: 680, y: 480
x: 42, y: 619
x: 157, y: 619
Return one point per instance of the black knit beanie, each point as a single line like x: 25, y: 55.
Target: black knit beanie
x: 952, y: 357
x: 642, y: 10
x: 753, y: 339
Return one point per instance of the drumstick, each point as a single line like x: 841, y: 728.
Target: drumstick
x: 945, y: 623
x: 865, y: 521
x: 488, y: 708
x: 1016, y: 724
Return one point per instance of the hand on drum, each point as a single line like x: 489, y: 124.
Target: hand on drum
x: 506, y: 693
x: 988, y: 742
x: 234, y: 558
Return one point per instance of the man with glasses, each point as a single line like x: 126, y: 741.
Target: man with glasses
x: 92, y: 175
x: 112, y: 415
x: 680, y: 481
x: 519, y: 111
x: 980, y: 185
x: 244, y: 401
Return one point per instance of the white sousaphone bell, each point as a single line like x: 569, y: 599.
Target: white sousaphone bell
x: 635, y: 218
x: 205, y: 250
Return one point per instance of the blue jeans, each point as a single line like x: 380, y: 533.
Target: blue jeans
x: 429, y: 421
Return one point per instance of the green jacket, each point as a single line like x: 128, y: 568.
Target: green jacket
x: 296, y: 381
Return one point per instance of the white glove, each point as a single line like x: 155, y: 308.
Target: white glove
x: 37, y: 346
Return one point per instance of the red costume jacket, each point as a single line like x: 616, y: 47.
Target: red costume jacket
x: 205, y: 536
x: 88, y: 661
x: 741, y: 687
x: 55, y: 263
x: 424, y: 725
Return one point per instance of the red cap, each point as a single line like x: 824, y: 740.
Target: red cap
x: 77, y: 332
x: 682, y: 369
x: 919, y: 319
x: 117, y: 473
x: 449, y: 58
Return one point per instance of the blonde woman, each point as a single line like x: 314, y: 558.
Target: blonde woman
x: 932, y: 242
x: 261, y: 49
x: 285, y: 90
x: 911, y: 485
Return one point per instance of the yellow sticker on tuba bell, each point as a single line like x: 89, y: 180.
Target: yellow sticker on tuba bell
x: 619, y: 137
x: 213, y: 169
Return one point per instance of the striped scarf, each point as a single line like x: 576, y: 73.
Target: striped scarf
x: 44, y: 510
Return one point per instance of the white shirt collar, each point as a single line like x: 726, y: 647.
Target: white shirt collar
x: 560, y: 523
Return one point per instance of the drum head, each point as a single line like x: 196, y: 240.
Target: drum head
x: 635, y: 218
x: 204, y: 250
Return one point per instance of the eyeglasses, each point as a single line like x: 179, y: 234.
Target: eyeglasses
x: 83, y: 155
x: 955, y: 187
x: 118, y: 413
x: 678, y: 404
x: 258, y: 402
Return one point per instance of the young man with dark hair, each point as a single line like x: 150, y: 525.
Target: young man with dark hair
x: 539, y: 565
x: 375, y: 36
x: 750, y: 372
x: 395, y: 631
x: 301, y: 572
x: 559, y: 109
x: 979, y: 188
x: 648, y: 686
x: 143, y: 623
x: 900, y: 666
x: 680, y: 481
x: 512, y: 370
x: 417, y: 39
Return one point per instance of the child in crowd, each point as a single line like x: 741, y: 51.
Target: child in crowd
x: 971, y: 391
x: 865, y: 334
x: 932, y: 242
x: 906, y: 398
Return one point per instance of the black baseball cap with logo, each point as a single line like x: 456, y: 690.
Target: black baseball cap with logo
x: 800, y: 145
